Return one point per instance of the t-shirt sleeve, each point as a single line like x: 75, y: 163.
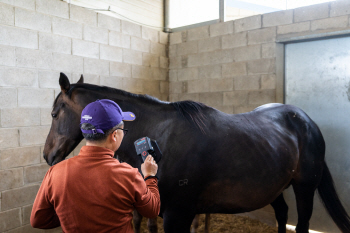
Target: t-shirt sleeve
x: 147, y: 196
x: 43, y: 214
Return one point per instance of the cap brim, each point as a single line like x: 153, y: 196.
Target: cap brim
x: 128, y: 116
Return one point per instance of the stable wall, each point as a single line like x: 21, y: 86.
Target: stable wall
x: 38, y: 40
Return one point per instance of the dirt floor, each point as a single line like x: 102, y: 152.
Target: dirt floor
x: 225, y: 223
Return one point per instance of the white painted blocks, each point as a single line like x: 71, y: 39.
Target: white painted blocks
x: 175, y: 38
x: 151, y: 60
x: 35, y: 173
x: 339, y: 8
x: 88, y: 78
x: 221, y: 85
x: 140, y: 72
x: 234, y: 69
x: 7, y: 14
x: 235, y: 40
x: 209, y: 44
x: 262, y: 36
x: 198, y: 33
x: 10, y: 76
x: 53, y: 7
x: 251, y: 52
x: 67, y: 63
x: 247, y: 82
x: 248, y: 23
x: 18, y: 37
x: 15, y: 117
x: 55, y: 43
x: 132, y: 57
x: 221, y: 29
x: 163, y: 38
x: 48, y: 79
x: 268, y: 81
x: 140, y: 44
x: 262, y: 66
x: 114, y: 82
x: 111, y: 53
x: 8, y: 97
x: 163, y: 62
x: 33, y: 58
x: 210, y: 72
x: 32, y: 20
x: 150, y: 34
x: 7, y: 56
x: 198, y: 86
x: 27, y: 4
x: 19, y: 197
x: 10, y: 179
x: 120, y: 69
x: 35, y: 135
x: 108, y: 22
x: 277, y: 18
x: 318, y: 11
x: 131, y: 29
x: 235, y: 98
x: 187, y: 48
x: 83, y: 15
x: 158, y: 49
x: 95, y: 34
x: 133, y: 85
x: 187, y: 74
x: 120, y: 40
x: 96, y: 66
x: 85, y: 48
x: 67, y: 28
x: 45, y: 116
x: 9, y: 138
x: 35, y: 97
x: 10, y: 219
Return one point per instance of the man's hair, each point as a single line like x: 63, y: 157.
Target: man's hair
x: 98, y: 137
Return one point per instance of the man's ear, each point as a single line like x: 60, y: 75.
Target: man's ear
x: 114, y: 136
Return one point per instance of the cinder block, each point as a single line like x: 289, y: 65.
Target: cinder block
x: 268, y: 50
x: 111, y: 81
x: 12, y: 178
x: 177, y: 87
x: 163, y: 38
x: 219, y: 57
x: 330, y: 23
x: 159, y: 74
x: 18, y: 37
x: 132, y: 57
x: 120, y: 40
x: 27, y: 4
x: 198, y: 33
x: 175, y: 38
x: 164, y: 87
x: 131, y: 29
x: 10, y: 76
x: 262, y: 66
x: 313, y: 12
x: 268, y: 81
x: 150, y: 34
x: 339, y: 8
x: 172, y: 50
x: 235, y: 40
x: 53, y: 7
x: 67, y: 28
x: 277, y: 18
x: 67, y: 63
x: 26, y: 212
x: 175, y: 62
x: 173, y: 75
x: 8, y: 138
x: 187, y: 48
x: 10, y: 219
x: 45, y: 116
x: 95, y: 34
x: 198, y: 86
x: 196, y: 60
x: 8, y: 97
x: 133, y: 85
x: 96, y: 66
x: 220, y: 85
x: 49, y: 79
x: 54, y: 43
x: 262, y: 36
x: 108, y: 22
x: 29, y: 229
x: 234, y: 69
x: 151, y: 87
x: 210, y: 72
x: 209, y: 44
x: 35, y: 173
x: 7, y: 14
x: 7, y: 56
x: 111, y: 53
x: 225, y: 109
x: 247, y: 82
x: 150, y: 60
x: 220, y: 29
x: 251, y: 52
x: 191, y: 96
x: 85, y: 48
x: 211, y: 99
x: 140, y: 72
x: 33, y: 58
x: 88, y: 78
x: 164, y: 62
x: 32, y: 20
x: 187, y: 74
x: 120, y: 69
x: 248, y: 23
x: 82, y: 15
x: 140, y: 44
x: 15, y: 117
x: 293, y: 28
x: 35, y: 97
x: 235, y: 98
x: 262, y: 97
x: 19, y: 197
x: 35, y: 135
x: 158, y: 49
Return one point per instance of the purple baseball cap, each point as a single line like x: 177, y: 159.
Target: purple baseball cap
x: 103, y: 114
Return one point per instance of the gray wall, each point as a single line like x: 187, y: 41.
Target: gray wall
x: 39, y: 39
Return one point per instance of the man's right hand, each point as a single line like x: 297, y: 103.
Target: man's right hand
x: 149, y: 167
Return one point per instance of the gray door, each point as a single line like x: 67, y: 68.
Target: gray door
x: 317, y: 79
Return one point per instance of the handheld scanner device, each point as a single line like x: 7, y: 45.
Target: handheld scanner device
x: 145, y: 146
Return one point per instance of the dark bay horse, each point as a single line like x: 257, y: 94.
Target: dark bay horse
x: 212, y: 162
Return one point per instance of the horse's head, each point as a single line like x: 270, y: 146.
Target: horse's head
x: 65, y: 133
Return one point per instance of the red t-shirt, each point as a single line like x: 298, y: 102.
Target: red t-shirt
x: 93, y: 192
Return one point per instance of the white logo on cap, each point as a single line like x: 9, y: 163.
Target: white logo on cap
x: 86, y: 117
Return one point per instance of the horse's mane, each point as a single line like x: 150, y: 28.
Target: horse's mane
x: 191, y: 110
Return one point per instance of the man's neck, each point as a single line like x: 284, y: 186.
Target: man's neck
x: 99, y: 144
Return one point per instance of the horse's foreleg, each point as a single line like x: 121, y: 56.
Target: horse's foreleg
x: 152, y: 225
x: 207, y: 223
x: 281, y: 213
x: 195, y: 224
x: 137, y: 218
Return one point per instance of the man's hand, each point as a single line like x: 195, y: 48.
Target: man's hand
x: 149, y: 167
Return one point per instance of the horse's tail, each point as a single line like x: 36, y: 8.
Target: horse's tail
x: 332, y: 202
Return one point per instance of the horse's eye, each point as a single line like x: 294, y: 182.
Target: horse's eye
x: 54, y: 115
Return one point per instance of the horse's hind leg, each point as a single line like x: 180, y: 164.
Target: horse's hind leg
x: 281, y: 212
x: 152, y: 225
x: 137, y: 218
x: 304, y: 195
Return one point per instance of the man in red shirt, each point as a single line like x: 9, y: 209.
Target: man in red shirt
x: 93, y: 192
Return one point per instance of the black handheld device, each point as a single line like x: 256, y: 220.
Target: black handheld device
x: 145, y: 146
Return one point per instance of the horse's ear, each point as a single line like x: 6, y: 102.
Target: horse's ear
x: 81, y: 80
x: 64, y: 83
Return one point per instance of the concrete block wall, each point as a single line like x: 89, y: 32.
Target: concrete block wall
x: 39, y: 39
